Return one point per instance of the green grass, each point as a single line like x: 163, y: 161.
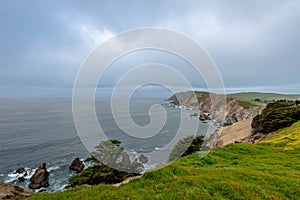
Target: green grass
x: 267, y: 170
x: 265, y: 96
x: 249, y: 104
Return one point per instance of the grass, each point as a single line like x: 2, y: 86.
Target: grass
x: 287, y: 138
x: 267, y: 170
x: 249, y: 104
x: 265, y: 96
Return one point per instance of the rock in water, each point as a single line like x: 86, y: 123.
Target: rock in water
x: 11, y: 191
x: 21, y: 179
x: 204, y: 117
x: 40, y: 178
x: 77, y: 165
x: 21, y: 170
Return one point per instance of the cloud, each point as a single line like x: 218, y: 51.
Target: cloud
x: 254, y: 43
x: 247, y: 38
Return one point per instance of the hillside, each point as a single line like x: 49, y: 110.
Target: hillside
x: 264, y: 96
x: 266, y: 170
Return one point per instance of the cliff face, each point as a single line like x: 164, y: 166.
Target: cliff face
x: 225, y: 110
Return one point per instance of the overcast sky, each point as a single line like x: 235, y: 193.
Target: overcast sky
x: 255, y: 44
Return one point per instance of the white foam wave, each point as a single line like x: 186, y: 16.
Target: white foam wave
x: 53, y: 168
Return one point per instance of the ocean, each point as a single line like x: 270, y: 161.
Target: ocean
x: 33, y: 131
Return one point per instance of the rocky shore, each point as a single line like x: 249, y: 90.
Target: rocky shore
x: 229, y: 114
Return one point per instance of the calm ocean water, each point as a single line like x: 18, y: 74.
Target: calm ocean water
x: 42, y: 130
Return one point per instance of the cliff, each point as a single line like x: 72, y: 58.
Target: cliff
x: 235, y: 109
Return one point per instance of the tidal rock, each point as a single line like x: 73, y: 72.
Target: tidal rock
x: 21, y: 179
x: 40, y: 178
x: 11, y: 191
x: 204, y: 117
x: 21, y: 170
x: 77, y: 165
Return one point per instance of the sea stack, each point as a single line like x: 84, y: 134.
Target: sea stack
x: 40, y: 178
x: 77, y: 165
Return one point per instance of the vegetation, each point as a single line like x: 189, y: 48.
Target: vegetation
x: 266, y: 170
x: 265, y: 96
x: 249, y: 104
x: 186, y: 146
x: 276, y: 115
x: 245, y: 102
x: 110, y: 152
x: 99, y: 174
x: 107, y: 169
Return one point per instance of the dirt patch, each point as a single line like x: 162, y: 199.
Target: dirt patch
x: 234, y: 133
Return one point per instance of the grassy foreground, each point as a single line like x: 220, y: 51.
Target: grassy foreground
x: 267, y: 170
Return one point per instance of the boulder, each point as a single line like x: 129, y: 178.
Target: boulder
x: 21, y: 170
x: 21, y: 179
x: 11, y: 191
x: 204, y: 117
x: 39, y: 178
x: 77, y: 165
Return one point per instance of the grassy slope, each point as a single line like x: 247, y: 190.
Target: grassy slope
x: 267, y: 170
x: 265, y: 96
x: 247, y: 98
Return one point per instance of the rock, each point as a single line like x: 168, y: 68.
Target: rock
x: 21, y: 170
x: 77, y: 165
x: 143, y: 159
x: 204, y: 117
x: 21, y: 179
x: 11, y: 191
x: 39, y: 178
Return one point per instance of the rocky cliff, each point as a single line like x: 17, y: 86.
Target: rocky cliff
x: 225, y: 110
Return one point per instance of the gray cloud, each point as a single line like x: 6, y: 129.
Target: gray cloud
x: 254, y: 43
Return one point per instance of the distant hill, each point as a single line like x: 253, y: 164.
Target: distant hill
x: 264, y: 96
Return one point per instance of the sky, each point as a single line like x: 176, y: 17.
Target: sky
x: 255, y: 44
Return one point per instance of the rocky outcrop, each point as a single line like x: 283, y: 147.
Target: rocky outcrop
x: 225, y: 110
x: 11, y: 191
x: 40, y: 178
x: 77, y: 165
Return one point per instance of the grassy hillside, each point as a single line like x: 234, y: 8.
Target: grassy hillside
x: 267, y: 170
x: 265, y: 96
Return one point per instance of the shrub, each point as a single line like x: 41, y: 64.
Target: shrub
x: 276, y: 115
x: 186, y: 146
